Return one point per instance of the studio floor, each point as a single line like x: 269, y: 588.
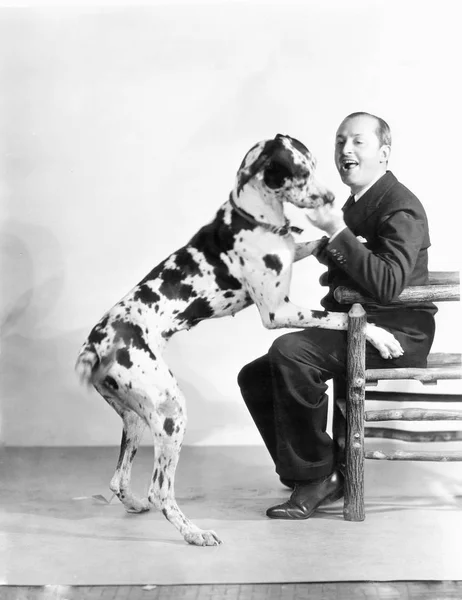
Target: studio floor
x: 57, y: 528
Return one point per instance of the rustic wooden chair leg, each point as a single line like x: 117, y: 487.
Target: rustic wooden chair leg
x: 356, y: 384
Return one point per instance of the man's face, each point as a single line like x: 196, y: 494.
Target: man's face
x: 359, y: 157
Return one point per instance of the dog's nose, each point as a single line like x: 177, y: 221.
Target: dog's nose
x: 329, y: 197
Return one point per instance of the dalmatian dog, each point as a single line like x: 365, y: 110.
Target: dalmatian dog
x: 243, y: 256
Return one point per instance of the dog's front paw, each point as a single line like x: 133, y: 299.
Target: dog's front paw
x: 202, y: 537
x: 385, y: 342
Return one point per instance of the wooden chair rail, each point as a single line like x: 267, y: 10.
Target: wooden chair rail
x: 443, y: 277
x: 412, y: 414
x: 443, y: 286
x: 441, y: 359
x: 429, y: 375
x: 411, y: 295
x: 421, y: 456
x: 406, y: 435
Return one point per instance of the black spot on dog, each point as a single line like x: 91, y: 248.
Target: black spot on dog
x: 228, y: 294
x: 154, y: 477
x: 319, y: 314
x: 186, y: 262
x: 168, y: 334
x: 271, y: 316
x: 146, y: 295
x: 173, y: 286
x: 278, y: 283
x: 273, y: 262
x: 123, y: 358
x: 111, y: 382
x: 198, y: 310
x: 242, y: 261
x: 161, y: 479
x: 123, y: 445
x: 133, y: 454
x: 300, y: 315
x: 286, y: 299
x: 225, y: 280
x: 216, y: 238
x: 132, y: 336
x: 164, y: 512
x: 169, y: 426
x: 98, y: 332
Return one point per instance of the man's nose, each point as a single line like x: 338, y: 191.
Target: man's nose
x: 347, y: 147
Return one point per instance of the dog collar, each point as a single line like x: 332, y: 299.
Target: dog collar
x: 282, y: 230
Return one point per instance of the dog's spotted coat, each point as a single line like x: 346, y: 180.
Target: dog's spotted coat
x: 244, y: 255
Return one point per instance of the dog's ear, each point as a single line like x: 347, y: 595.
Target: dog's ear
x: 275, y: 174
x: 245, y: 175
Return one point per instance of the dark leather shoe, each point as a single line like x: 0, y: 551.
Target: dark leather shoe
x: 306, y: 498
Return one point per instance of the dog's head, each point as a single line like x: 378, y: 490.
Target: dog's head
x: 283, y: 167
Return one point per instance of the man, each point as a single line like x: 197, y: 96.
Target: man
x: 378, y: 245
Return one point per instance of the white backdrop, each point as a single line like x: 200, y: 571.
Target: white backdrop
x: 121, y: 129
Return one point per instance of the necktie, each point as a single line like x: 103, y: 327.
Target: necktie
x: 349, y: 203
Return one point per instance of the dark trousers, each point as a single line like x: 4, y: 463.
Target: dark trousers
x: 285, y: 391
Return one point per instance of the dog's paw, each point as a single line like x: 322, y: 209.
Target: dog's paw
x: 200, y: 537
x: 385, y: 342
x: 138, y: 506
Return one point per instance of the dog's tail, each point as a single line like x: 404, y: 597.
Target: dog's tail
x: 90, y: 367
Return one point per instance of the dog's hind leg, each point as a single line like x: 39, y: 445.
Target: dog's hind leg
x: 168, y: 435
x: 165, y: 413
x: 133, y: 428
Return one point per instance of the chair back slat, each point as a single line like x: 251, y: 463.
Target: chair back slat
x: 443, y: 277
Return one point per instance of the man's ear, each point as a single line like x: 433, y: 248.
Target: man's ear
x: 385, y: 153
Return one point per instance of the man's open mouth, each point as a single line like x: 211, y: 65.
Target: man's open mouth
x: 348, y: 164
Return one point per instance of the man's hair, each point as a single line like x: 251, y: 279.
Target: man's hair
x: 383, y: 129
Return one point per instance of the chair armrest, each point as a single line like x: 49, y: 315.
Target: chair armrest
x: 413, y: 294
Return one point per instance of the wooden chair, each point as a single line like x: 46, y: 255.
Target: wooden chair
x: 349, y: 415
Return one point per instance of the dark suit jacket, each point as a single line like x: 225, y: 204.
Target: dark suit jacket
x: 394, y: 223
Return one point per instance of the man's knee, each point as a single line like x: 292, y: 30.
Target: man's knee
x: 256, y: 372
x: 244, y: 375
x: 285, y: 347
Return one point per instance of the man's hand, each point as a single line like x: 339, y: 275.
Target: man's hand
x: 328, y: 217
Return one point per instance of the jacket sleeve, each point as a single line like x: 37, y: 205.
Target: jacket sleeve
x: 383, y: 271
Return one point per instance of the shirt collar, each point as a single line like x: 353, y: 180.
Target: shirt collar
x: 362, y: 192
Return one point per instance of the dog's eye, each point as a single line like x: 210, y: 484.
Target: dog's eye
x: 275, y: 174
